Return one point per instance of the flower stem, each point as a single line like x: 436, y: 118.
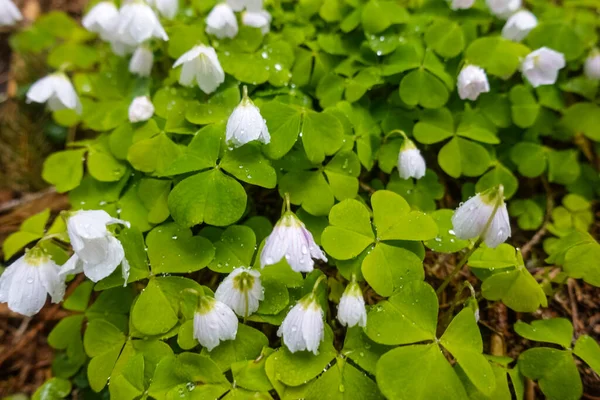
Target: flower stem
x: 286, y: 207
x: 244, y: 91
x: 317, y: 282
x: 458, y: 267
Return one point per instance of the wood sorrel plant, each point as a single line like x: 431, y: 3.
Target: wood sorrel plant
x: 206, y: 116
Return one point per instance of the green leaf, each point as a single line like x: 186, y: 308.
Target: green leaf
x: 156, y: 309
x: 343, y: 381
x: 557, y: 35
x: 420, y: 194
x: 563, y: 167
x: 79, y: 299
x: 463, y: 339
x: 420, y: 87
x: 53, y: 389
x: 498, y: 56
x: 284, y: 124
x: 64, y: 169
x: 503, y: 256
x: 583, y: 118
x: 524, y: 106
x: 446, y: 38
x: 248, y: 164
x: 211, y: 197
x: 201, y: 153
x: 530, y: 158
x: 276, y: 299
x: 350, y: 230
x: 583, y: 261
x: 154, y: 194
x: 393, y: 219
x: 103, y: 342
x: 234, y: 249
x: 322, y: 134
x: 341, y: 172
x: 31, y: 229
x: 247, y: 345
x: 216, y: 109
x: 499, y: 175
x: 378, y: 15
x: 555, y: 330
x: 251, y: 374
x: 408, y: 316
x: 173, y: 249
x: 102, y: 165
x: 294, y: 369
x: 554, y: 370
x: 463, y: 157
x: 446, y: 241
x: 405, y: 373
x: 530, y: 215
x: 516, y: 288
x: 153, y: 155
x: 387, y: 268
x: 308, y: 189
x: 588, y: 350
x: 362, y: 350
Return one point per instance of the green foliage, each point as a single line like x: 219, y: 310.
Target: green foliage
x: 343, y: 87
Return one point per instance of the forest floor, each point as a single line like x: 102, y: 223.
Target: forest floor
x: 26, y: 357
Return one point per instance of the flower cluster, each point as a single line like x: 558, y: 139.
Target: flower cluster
x: 97, y: 253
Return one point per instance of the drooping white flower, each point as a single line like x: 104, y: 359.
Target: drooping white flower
x: 26, y: 282
x: 56, y: 91
x: 411, y: 163
x: 138, y: 23
x: 221, y: 22
x: 291, y: 239
x: 201, y: 64
x: 258, y: 19
x: 166, y: 8
x: 242, y: 291
x: 97, y: 251
x: 503, y: 8
x: 591, y: 68
x: 102, y: 19
x: 483, y: 215
x: 303, y: 328
x: 245, y: 124
x: 141, y: 61
x: 541, y: 66
x: 351, y: 310
x: 140, y: 109
x: 519, y: 25
x: 214, y: 322
x: 472, y: 81
x: 9, y: 13
x: 120, y: 48
x: 250, y: 5
x: 461, y: 4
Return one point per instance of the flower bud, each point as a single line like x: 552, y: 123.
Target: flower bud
x: 245, y: 124
x: 56, y: 91
x: 461, y: 4
x: 241, y: 291
x: 411, y: 163
x: 9, y: 13
x: 141, y: 61
x: 303, y: 328
x: 201, y: 64
x: 519, y: 25
x: 214, y: 322
x: 221, y: 22
x: 592, y: 65
x: 472, y: 81
x: 503, y: 8
x: 541, y: 66
x: 351, y: 310
x: 141, y: 109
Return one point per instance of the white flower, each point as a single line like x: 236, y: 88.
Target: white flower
x: 57, y: 91
x: 461, y: 4
x: 141, y: 61
x: 242, y: 291
x: 245, y: 124
x: 140, y: 109
x: 97, y: 251
x: 503, y: 8
x: 411, y: 163
x: 138, y: 23
x: 483, y: 215
x: 291, y: 239
x: 519, y: 25
x: 221, y: 22
x: 541, y: 66
x: 472, y: 81
x: 257, y: 19
x: 214, y: 322
x: 166, y: 8
x: 351, y: 310
x: 120, y: 48
x: 250, y: 5
x: 302, y: 328
x: 202, y: 65
x: 102, y: 19
x: 26, y: 282
x: 592, y: 65
x: 9, y: 13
